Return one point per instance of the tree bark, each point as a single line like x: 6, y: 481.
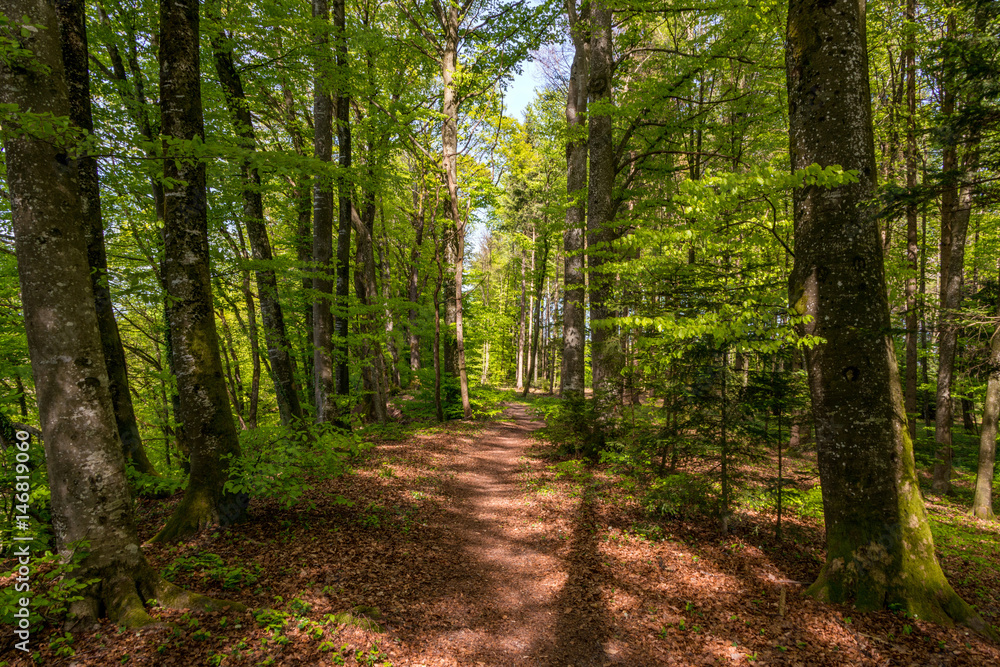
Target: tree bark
x: 366, y: 289
x: 73, y: 38
x: 604, y: 351
x: 417, y: 220
x: 86, y: 464
x: 539, y: 279
x: 344, y: 207
x: 272, y: 315
x: 449, y: 150
x: 956, y: 210
x: 982, y: 499
x: 323, y: 320
x: 911, y: 222
x: 203, y: 408
x: 879, y: 545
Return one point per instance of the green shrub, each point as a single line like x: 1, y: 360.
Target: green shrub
x: 680, y: 495
x: 52, y: 588
x: 276, y: 461
x: 212, y: 567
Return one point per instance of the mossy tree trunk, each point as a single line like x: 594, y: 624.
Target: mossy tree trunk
x: 604, y: 348
x: 204, y: 410
x: 879, y: 545
x: 90, y: 499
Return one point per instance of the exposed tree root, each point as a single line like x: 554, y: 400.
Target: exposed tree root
x: 121, y: 596
x: 201, y: 509
x: 925, y: 595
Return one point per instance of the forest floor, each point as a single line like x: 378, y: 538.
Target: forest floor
x: 474, y: 543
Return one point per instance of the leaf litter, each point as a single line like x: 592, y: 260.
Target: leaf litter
x: 471, y: 545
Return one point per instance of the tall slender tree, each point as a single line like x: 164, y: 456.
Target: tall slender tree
x: 272, y: 314
x: 343, y: 121
x: 605, y: 356
x: 324, y: 362
x: 204, y: 412
x: 574, y: 334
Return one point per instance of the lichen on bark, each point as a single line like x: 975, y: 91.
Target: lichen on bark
x: 880, y: 551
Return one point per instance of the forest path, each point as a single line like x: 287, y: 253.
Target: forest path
x: 522, y: 588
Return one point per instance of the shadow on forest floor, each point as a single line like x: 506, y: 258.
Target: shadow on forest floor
x: 474, y: 544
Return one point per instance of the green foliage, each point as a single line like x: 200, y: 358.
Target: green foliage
x: 52, y: 588
x: 681, y: 495
x: 277, y: 462
x: 487, y: 401
x: 271, y: 619
x: 211, y: 566
x: 806, y: 504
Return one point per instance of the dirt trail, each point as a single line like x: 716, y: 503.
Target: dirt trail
x: 518, y: 595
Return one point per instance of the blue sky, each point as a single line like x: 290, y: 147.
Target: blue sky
x: 521, y: 91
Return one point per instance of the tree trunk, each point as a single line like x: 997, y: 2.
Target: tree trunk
x: 879, y: 545
x: 438, y: 406
x: 982, y: 500
x: 322, y: 254
x: 539, y: 279
x: 413, y: 287
x: 954, y: 228
x: 604, y: 350
x: 73, y: 35
x: 344, y: 222
x: 366, y: 289
x: 204, y: 408
x: 449, y: 149
x: 911, y: 226
x: 303, y: 254
x: 86, y: 465
x: 521, y: 332
x: 275, y: 334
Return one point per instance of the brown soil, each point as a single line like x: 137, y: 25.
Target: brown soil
x: 478, y: 549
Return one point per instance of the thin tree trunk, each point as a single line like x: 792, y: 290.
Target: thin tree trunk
x: 982, y: 499
x: 910, y: 391
x: 954, y: 227
x: 521, y: 331
x: 233, y: 382
x: 366, y: 289
x: 539, y: 279
x: 272, y: 315
x: 438, y: 406
x: 343, y: 99
x: 417, y: 220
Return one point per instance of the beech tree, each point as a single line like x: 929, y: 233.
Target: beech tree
x: 73, y: 38
x: 879, y: 545
x: 574, y: 315
x: 275, y: 333
x: 91, y: 500
x: 204, y: 412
